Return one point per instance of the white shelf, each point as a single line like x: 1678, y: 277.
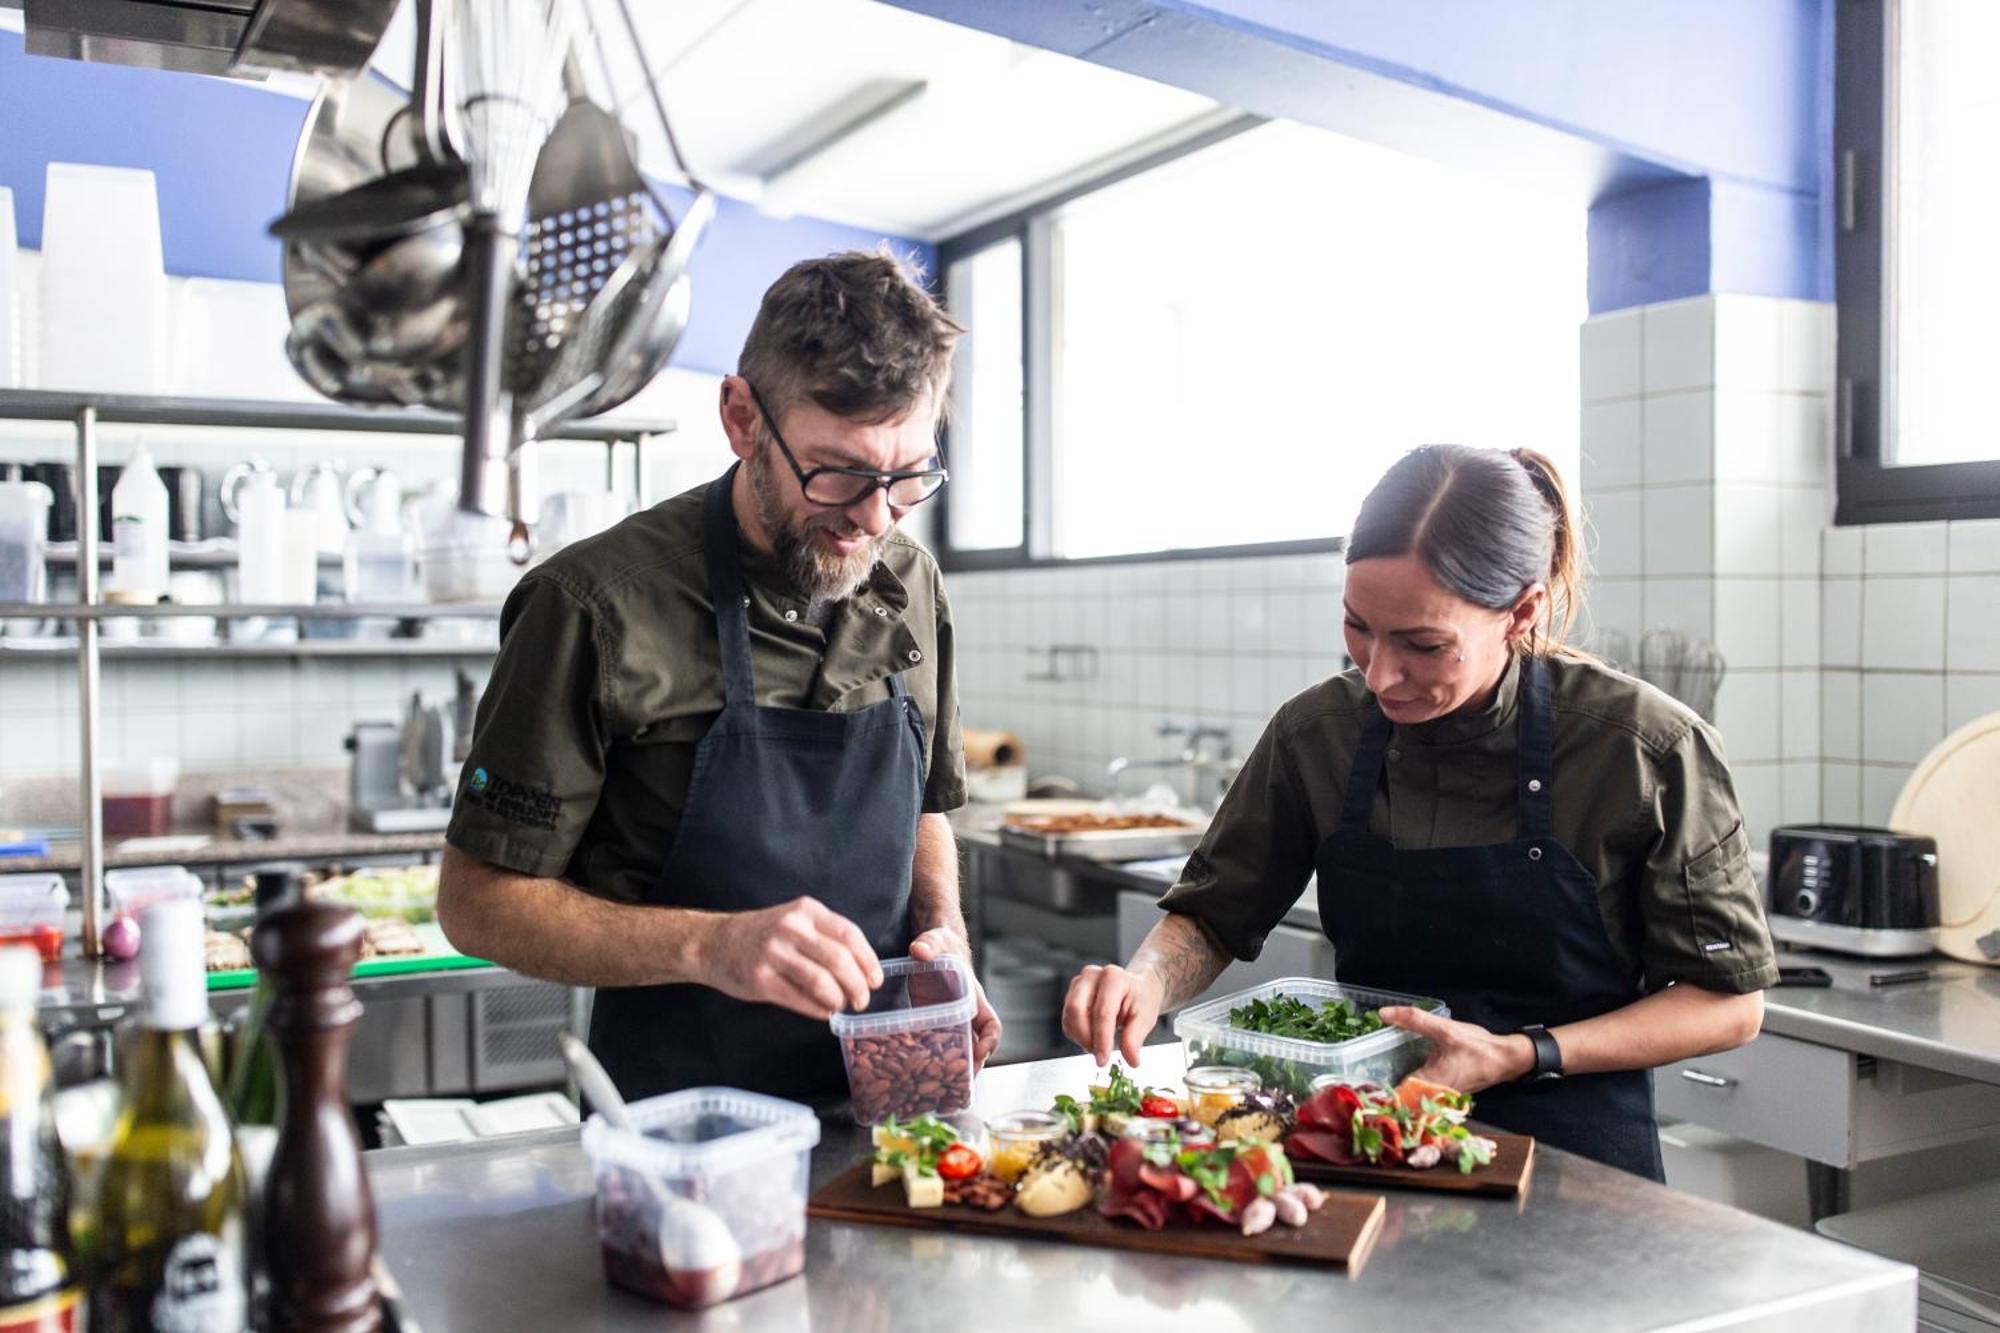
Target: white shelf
x: 30, y: 650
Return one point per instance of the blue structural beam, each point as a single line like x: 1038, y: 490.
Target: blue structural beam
x: 1698, y: 131
x: 221, y: 154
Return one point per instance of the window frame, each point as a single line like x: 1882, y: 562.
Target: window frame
x: 1867, y: 488
x: 1033, y: 227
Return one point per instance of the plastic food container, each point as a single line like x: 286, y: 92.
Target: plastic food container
x: 910, y: 1050
x: 132, y: 891
x: 24, y: 536
x: 31, y: 913
x: 1291, y: 1063
x: 1215, y: 1090
x: 1019, y: 1137
x: 707, y: 1200
x: 139, y: 798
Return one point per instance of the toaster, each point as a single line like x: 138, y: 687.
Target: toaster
x: 1867, y: 891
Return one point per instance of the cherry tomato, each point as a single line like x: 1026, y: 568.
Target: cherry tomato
x: 1152, y: 1104
x: 959, y: 1162
x: 49, y: 939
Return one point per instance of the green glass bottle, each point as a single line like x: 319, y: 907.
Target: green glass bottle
x: 254, y: 1085
x: 172, y: 1233
x: 39, y: 1285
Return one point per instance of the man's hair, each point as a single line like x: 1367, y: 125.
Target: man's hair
x: 853, y: 333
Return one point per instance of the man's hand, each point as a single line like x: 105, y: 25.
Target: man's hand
x: 800, y: 955
x: 1464, y: 1056
x: 985, y: 1023
x: 1109, y: 1006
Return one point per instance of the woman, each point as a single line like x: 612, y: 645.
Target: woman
x: 1496, y: 820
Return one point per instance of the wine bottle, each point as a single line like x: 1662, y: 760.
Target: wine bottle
x: 38, y: 1278
x: 172, y: 1235
x: 253, y: 1080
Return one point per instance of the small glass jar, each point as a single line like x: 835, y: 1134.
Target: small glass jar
x: 1185, y: 1133
x: 1018, y: 1137
x: 1214, y: 1090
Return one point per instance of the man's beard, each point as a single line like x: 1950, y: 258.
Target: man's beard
x: 815, y: 571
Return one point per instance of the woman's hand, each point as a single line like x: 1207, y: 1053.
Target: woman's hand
x: 1464, y: 1056
x: 1110, y: 1007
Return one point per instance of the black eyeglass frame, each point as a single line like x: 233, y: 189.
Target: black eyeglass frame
x: 877, y: 481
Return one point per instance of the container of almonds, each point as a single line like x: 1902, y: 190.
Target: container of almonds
x: 910, y: 1051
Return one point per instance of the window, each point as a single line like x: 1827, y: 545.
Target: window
x: 1917, y: 128
x: 1236, y: 341
x: 986, y: 450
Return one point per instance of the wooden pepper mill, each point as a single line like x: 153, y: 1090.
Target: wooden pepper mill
x: 319, y: 1217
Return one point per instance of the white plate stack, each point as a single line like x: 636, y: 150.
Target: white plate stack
x: 104, y: 284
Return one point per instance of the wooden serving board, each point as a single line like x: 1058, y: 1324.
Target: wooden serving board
x: 1339, y: 1235
x: 1507, y: 1175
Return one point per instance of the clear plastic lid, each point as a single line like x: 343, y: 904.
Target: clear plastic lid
x: 143, y: 777
x: 914, y: 996
x: 701, y: 1133
x: 32, y: 897
x: 135, y: 889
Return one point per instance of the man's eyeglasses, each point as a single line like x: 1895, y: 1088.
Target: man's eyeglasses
x: 838, y: 487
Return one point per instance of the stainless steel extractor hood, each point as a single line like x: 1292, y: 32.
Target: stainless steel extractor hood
x: 244, y: 38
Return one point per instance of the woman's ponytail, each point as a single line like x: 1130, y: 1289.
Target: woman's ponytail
x: 1565, y: 575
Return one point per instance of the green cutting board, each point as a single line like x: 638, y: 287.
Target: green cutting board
x: 438, y: 956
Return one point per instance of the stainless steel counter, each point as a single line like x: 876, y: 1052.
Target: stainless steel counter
x: 1950, y: 1023
x: 80, y: 990
x: 498, y: 1236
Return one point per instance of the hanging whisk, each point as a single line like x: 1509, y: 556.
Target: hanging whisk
x: 510, y: 93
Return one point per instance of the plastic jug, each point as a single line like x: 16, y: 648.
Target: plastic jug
x: 24, y: 537
x: 259, y: 510
x: 138, y: 533
x: 321, y: 502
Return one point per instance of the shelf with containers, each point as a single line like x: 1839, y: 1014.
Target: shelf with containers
x: 86, y: 413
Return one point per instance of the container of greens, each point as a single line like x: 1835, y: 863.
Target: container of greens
x: 1296, y: 1029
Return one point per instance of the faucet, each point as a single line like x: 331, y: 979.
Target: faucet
x: 1190, y: 761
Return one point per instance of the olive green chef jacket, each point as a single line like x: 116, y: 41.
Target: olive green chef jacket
x: 1642, y: 798
x: 609, y: 675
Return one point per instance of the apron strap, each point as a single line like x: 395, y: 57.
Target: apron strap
x: 725, y: 588
x: 1366, y: 774
x: 1536, y: 748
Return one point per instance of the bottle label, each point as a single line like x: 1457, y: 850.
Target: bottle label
x: 55, y: 1313
x: 201, y: 1288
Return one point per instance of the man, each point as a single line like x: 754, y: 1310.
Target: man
x: 710, y: 771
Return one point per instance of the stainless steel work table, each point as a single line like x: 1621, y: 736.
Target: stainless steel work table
x: 499, y: 1236
x: 1949, y: 1023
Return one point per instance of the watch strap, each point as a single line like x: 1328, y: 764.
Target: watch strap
x: 1548, y: 1055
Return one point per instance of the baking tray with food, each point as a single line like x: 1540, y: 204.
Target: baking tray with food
x: 1103, y: 833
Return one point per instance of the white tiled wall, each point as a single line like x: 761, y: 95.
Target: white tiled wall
x: 1911, y: 635
x: 1218, y: 641
x: 1706, y: 476
x: 1706, y: 448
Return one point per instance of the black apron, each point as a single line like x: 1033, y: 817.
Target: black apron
x: 782, y: 802
x: 1506, y: 934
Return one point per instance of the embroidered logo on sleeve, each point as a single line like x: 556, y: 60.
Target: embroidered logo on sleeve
x: 515, y: 802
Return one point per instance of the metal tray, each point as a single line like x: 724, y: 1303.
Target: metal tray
x: 1138, y: 844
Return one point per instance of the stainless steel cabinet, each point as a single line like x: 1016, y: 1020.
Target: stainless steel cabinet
x: 1826, y: 1105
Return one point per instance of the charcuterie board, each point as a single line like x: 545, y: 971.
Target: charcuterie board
x: 1340, y: 1235
x: 1506, y: 1176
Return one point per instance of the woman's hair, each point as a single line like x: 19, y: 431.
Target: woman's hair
x: 1489, y: 525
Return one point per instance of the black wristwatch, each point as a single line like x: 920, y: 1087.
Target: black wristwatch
x: 1548, y: 1070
